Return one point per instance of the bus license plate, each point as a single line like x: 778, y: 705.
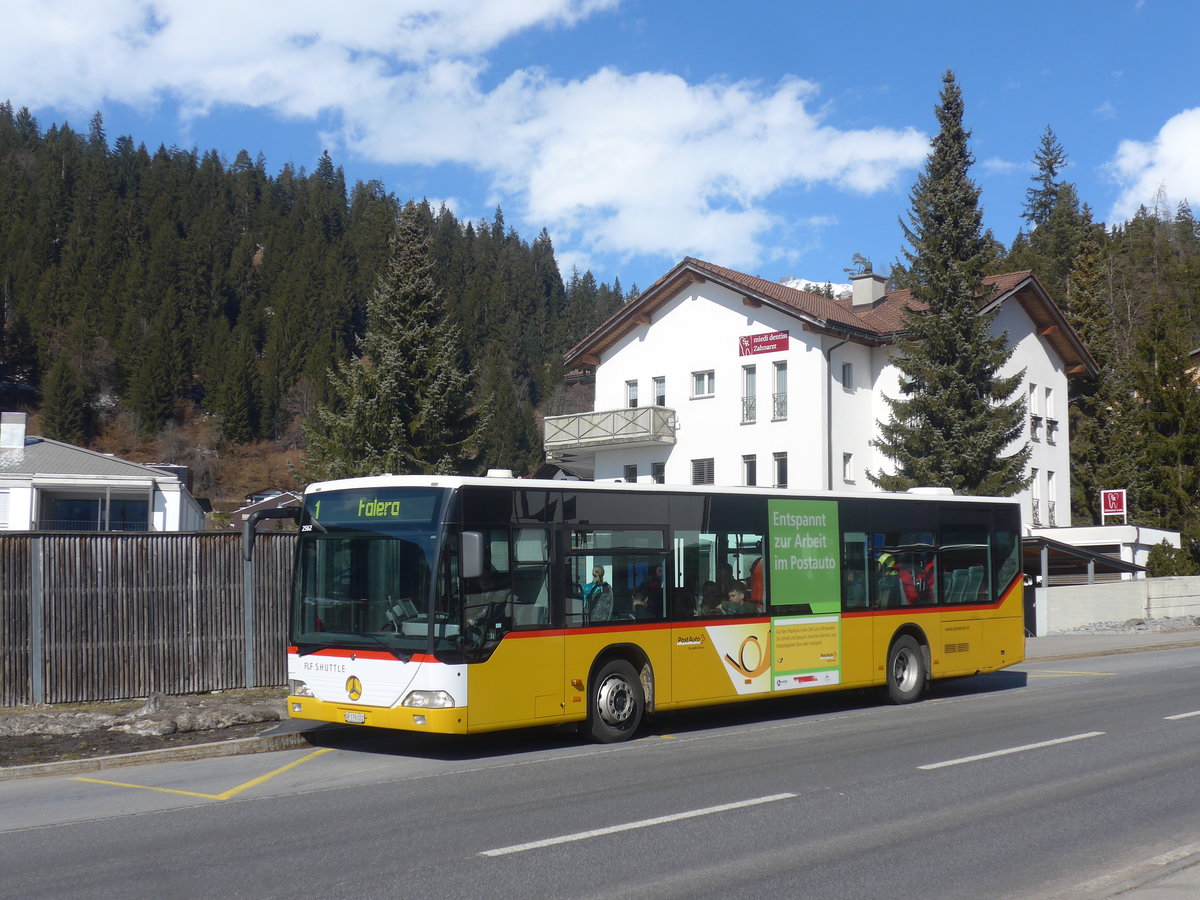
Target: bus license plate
x: 356, y: 718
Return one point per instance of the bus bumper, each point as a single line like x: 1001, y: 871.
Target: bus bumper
x: 404, y: 718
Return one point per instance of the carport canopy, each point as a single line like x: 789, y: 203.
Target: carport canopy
x: 1044, y: 559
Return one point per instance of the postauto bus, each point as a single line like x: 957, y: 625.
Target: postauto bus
x: 460, y: 605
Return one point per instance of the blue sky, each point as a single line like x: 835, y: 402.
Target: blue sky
x: 778, y: 138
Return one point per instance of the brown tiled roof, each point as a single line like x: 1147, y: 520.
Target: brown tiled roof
x: 802, y: 301
x: 881, y: 322
x: 887, y: 316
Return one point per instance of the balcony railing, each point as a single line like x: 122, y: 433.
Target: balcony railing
x: 749, y: 410
x: 779, y: 406
x: 88, y: 525
x: 646, y: 426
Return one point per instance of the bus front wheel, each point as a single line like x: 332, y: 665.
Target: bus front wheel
x: 907, y: 674
x: 615, y: 703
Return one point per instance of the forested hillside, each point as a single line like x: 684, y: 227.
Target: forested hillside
x: 172, y: 304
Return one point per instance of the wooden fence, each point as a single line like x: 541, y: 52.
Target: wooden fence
x: 113, y: 616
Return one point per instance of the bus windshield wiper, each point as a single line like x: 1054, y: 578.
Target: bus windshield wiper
x: 379, y: 639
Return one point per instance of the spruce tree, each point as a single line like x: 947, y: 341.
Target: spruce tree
x: 1041, y: 198
x: 401, y: 405
x: 1106, y: 417
x: 64, y: 409
x: 1171, y: 406
x: 955, y: 418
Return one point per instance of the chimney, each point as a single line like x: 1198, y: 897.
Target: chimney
x: 12, y: 431
x: 868, y: 288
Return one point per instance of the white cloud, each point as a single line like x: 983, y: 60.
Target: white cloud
x: 1169, y: 161
x: 995, y: 165
x: 614, y: 162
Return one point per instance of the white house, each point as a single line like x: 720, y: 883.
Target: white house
x: 713, y: 376
x: 47, y: 485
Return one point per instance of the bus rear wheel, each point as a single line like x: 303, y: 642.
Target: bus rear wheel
x: 907, y: 674
x: 615, y: 703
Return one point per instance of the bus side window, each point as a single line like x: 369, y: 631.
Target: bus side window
x: 854, y: 570
x: 531, y: 578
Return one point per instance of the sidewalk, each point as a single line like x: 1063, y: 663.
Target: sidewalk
x: 1071, y: 646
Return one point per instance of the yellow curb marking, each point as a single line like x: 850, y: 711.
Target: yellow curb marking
x: 232, y: 792
x: 1062, y: 673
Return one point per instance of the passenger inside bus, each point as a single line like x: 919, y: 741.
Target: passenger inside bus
x: 756, y: 584
x: 856, y: 590
x: 641, y: 603
x: 683, y: 604
x: 598, y: 597
x: 710, y: 599
x: 736, y: 603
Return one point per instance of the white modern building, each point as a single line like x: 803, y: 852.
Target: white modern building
x: 47, y: 485
x: 713, y: 376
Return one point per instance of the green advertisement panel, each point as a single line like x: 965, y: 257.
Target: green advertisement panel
x: 805, y: 571
x: 805, y: 562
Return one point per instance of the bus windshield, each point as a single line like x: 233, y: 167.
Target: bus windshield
x: 366, y: 567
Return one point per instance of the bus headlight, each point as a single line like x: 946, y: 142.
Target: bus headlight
x: 297, y: 688
x: 428, y: 700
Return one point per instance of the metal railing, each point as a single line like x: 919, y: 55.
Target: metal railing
x: 644, y: 425
x: 779, y: 406
x: 749, y: 410
x: 89, y: 525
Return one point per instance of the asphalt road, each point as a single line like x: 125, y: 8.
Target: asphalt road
x: 1055, y: 779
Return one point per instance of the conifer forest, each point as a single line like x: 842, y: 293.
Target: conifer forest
x: 177, y: 307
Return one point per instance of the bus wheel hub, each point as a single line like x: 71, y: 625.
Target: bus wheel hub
x: 614, y: 700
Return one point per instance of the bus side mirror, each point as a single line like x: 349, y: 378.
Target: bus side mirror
x: 250, y: 527
x: 471, y: 564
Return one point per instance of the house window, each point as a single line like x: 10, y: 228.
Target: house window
x: 750, y: 470
x: 702, y: 471
x: 749, y: 394
x: 704, y: 384
x: 779, y: 406
x: 658, y: 472
x: 660, y: 391
x: 1036, y: 496
x: 4, y: 509
x: 631, y: 392
x: 781, y: 475
x: 848, y: 467
x: 1034, y: 408
x: 848, y: 376
x: 631, y: 474
x: 1051, y: 421
x: 94, y: 514
x: 1050, y: 499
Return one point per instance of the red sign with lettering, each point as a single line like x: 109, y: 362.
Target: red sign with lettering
x: 771, y: 342
x: 1112, y: 503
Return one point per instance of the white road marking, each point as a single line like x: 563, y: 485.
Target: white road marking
x: 630, y: 826
x: 1006, y: 752
x: 1182, y: 716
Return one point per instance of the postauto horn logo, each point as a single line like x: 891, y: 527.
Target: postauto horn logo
x: 353, y: 687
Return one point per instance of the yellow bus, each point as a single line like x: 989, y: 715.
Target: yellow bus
x: 459, y: 605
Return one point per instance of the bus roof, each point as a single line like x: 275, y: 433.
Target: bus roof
x: 460, y: 481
